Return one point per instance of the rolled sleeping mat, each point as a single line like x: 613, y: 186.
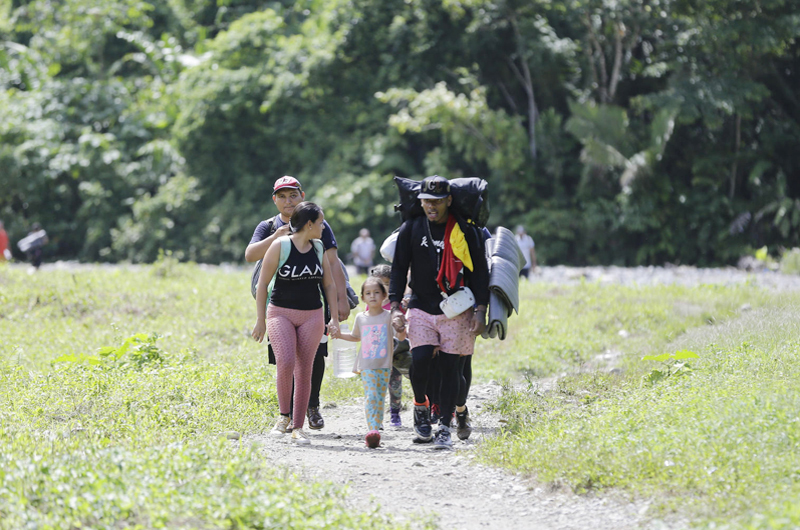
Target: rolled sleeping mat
x: 505, y: 246
x: 504, y: 281
x: 497, y: 324
x: 506, y: 264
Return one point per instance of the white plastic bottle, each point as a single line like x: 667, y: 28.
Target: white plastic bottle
x: 343, y: 354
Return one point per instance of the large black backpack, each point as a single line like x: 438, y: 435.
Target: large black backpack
x: 470, y: 199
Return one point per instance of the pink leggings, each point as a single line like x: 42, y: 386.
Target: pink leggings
x: 294, y: 335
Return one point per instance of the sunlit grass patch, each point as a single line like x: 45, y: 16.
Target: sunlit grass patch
x: 178, y: 485
x: 719, y: 439
x: 560, y: 328
x: 117, y: 388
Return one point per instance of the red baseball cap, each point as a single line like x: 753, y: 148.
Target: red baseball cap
x: 286, y: 183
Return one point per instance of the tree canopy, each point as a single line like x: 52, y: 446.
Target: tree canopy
x: 617, y: 131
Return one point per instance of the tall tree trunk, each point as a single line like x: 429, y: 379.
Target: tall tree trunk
x: 734, y: 168
x: 524, y: 77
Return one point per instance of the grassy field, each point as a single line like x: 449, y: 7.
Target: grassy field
x: 117, y: 389
x: 707, y: 427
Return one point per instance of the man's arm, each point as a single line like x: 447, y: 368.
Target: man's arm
x: 399, y: 277
x: 341, y: 284
x: 256, y: 251
x: 533, y: 258
x: 400, y: 264
x: 479, y: 283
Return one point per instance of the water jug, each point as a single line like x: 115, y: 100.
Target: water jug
x: 343, y: 354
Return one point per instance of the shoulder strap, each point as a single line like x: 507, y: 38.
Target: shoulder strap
x: 286, y: 248
x: 272, y: 224
x: 318, y: 248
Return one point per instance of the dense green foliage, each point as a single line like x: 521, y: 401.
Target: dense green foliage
x: 629, y: 132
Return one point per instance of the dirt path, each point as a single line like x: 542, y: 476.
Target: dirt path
x: 440, y: 485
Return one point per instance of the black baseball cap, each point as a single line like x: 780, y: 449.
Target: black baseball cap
x: 434, y: 187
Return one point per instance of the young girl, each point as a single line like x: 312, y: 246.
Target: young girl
x: 373, y: 328
x: 401, y: 353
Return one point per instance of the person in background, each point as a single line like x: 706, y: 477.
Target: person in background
x: 5, y: 254
x: 528, y: 248
x: 287, y: 193
x: 293, y: 314
x: 33, y: 244
x: 363, y: 250
x: 373, y: 328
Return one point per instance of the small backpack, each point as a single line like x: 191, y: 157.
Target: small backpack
x: 257, y: 267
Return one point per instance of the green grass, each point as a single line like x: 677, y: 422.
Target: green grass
x: 717, y: 441
x: 117, y: 388
x: 561, y: 328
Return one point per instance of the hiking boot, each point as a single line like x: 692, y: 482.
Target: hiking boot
x: 464, y: 428
x: 396, y: 421
x: 442, y: 439
x: 435, y: 414
x: 300, y: 437
x: 280, y: 426
x: 315, y: 421
x: 422, y: 424
x: 373, y: 439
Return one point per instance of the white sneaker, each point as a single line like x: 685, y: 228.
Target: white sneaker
x: 300, y: 437
x: 280, y: 426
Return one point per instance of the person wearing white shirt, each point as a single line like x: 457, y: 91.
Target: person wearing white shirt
x: 363, y: 250
x: 528, y: 248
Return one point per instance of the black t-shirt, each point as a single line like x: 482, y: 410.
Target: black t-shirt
x: 417, y: 248
x: 298, y: 281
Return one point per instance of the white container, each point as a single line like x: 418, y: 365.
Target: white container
x: 343, y: 353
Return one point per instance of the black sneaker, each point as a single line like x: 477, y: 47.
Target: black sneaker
x: 464, y: 428
x: 442, y: 439
x: 315, y: 420
x: 422, y: 424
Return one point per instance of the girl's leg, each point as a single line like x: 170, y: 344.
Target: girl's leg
x: 375, y: 383
x: 395, y: 389
x: 310, y: 326
x: 282, y: 337
x: 382, y: 384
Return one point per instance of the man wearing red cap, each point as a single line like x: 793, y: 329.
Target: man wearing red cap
x: 286, y: 194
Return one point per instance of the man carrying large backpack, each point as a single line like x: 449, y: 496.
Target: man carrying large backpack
x: 286, y: 194
x: 447, y: 257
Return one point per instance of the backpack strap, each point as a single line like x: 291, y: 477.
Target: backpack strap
x: 286, y: 248
x: 273, y: 224
x: 319, y: 249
